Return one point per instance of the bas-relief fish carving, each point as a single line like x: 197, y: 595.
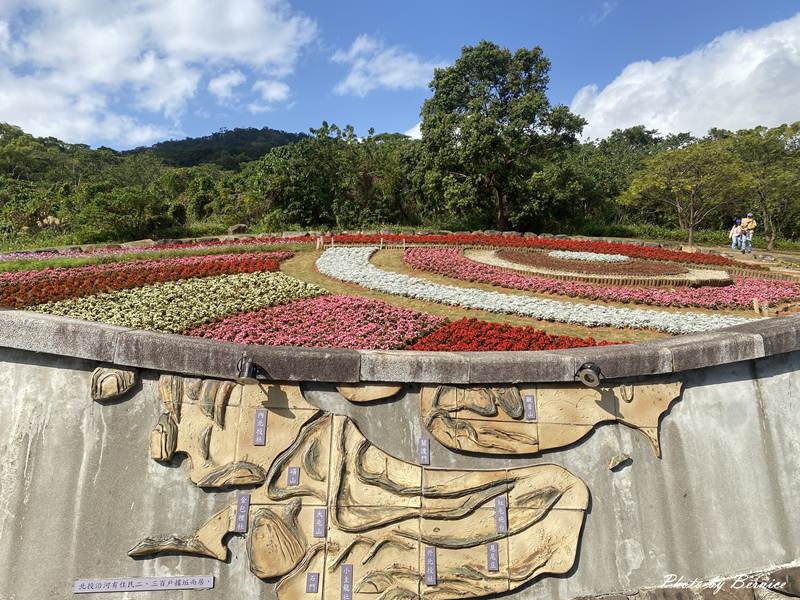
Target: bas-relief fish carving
x: 381, y: 511
x: 491, y: 420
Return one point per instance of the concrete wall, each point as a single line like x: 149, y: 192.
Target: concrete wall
x: 78, y: 489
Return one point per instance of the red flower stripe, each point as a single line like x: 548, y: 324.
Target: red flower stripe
x: 472, y: 335
x: 26, y: 288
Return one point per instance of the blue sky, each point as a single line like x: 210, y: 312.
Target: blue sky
x: 124, y: 73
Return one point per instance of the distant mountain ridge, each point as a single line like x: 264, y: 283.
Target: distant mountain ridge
x: 228, y: 148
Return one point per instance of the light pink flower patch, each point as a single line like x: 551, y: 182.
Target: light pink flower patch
x: 326, y: 321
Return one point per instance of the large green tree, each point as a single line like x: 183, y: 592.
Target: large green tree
x: 489, y: 127
x: 772, y: 166
x: 695, y: 181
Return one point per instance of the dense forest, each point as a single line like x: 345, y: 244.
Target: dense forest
x: 494, y: 154
x: 228, y: 148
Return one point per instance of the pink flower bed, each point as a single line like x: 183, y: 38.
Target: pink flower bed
x: 325, y: 321
x: 451, y: 263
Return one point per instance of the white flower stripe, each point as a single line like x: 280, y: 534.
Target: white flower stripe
x: 351, y: 264
x: 588, y: 256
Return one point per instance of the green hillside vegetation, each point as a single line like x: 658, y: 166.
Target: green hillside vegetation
x: 495, y: 154
x: 227, y: 148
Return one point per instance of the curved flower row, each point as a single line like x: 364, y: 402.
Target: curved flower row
x: 451, y: 263
x: 176, y: 306
x: 470, y: 239
x: 452, y: 239
x: 352, y: 264
x: 327, y: 321
x: 588, y: 256
x: 635, y: 267
x: 473, y: 335
x: 26, y: 288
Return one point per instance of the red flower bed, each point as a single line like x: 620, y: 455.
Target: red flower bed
x: 632, y: 250
x: 26, y: 288
x: 636, y: 267
x: 472, y: 335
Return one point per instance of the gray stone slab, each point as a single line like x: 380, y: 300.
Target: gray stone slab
x: 625, y: 360
x: 520, y: 367
x: 37, y: 332
x: 780, y: 334
x: 711, y: 349
x: 414, y: 367
x: 197, y: 356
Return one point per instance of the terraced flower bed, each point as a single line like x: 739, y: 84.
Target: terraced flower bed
x: 637, y: 267
x: 233, y: 290
x: 451, y: 263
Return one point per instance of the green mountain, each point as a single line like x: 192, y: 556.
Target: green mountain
x: 228, y: 148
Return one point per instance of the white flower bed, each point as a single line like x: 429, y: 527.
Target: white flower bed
x: 352, y: 264
x: 588, y: 256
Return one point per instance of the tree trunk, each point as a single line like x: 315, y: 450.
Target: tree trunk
x: 500, y: 217
x: 691, y: 235
x: 771, y: 237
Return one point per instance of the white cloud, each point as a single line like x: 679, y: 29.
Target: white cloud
x: 415, y: 132
x: 738, y: 80
x: 606, y: 8
x: 118, y: 71
x: 373, y: 66
x: 222, y: 85
x: 271, y: 91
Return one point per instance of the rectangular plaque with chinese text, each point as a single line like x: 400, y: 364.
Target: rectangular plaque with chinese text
x: 260, y: 427
x: 347, y: 582
x: 530, y: 408
x: 143, y: 584
x: 293, y: 476
x: 320, y: 523
x: 424, y: 451
x: 430, y: 565
x: 242, y: 513
x: 501, y: 514
x: 312, y: 583
x: 493, y: 557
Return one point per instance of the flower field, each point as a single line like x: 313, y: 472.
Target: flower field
x: 451, y: 263
x: 556, y: 262
x: 241, y: 294
x: 588, y: 256
x: 471, y: 335
x: 352, y: 264
x: 27, y: 288
x: 178, y: 305
x: 326, y: 321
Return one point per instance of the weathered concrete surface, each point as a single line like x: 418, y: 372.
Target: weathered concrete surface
x: 77, y: 488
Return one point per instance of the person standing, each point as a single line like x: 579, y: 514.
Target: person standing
x: 736, y: 235
x: 748, y: 226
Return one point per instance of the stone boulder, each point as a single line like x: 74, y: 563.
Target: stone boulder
x: 238, y: 228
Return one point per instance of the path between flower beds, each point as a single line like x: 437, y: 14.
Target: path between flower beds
x: 352, y: 264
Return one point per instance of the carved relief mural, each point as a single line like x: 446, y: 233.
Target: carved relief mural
x: 331, y: 512
x: 110, y: 383
x: 534, y: 418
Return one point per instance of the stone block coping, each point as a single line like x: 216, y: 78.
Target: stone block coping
x: 60, y: 336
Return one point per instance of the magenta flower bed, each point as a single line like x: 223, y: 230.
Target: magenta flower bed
x: 451, y: 263
x: 326, y: 321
